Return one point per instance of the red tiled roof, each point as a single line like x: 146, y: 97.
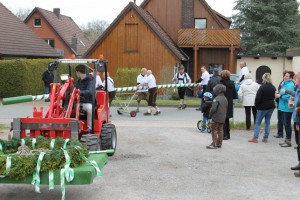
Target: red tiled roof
x: 66, y: 28
x: 209, y: 37
x: 151, y: 23
x: 17, y: 40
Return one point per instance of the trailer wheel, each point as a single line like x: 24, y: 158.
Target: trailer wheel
x: 132, y: 113
x: 91, y: 142
x: 119, y: 111
x: 108, y: 138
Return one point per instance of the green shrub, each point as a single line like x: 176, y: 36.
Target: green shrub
x: 126, y: 77
x: 24, y: 76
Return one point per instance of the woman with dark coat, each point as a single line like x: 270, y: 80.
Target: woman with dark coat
x: 230, y: 94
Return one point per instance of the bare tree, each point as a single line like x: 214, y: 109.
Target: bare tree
x: 22, y: 13
x: 94, y: 29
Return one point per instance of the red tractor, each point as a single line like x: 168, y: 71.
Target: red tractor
x: 64, y: 118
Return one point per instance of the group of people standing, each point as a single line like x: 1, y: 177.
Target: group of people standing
x: 262, y: 100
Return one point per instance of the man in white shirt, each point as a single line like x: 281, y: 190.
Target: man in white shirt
x: 142, y: 93
x: 181, y: 78
x: 243, y: 72
x: 110, y: 88
x: 203, y: 80
x: 98, y: 80
x: 152, y: 89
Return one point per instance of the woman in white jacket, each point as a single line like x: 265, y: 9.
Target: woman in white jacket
x: 247, y: 93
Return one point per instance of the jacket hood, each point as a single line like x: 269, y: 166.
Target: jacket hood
x: 247, y: 81
x: 219, y: 88
x: 228, y: 83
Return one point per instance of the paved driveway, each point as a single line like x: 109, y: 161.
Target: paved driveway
x: 164, y: 157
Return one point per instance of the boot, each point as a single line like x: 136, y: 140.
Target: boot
x: 297, y: 167
x: 287, y: 143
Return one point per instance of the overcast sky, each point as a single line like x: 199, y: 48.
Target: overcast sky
x: 107, y: 10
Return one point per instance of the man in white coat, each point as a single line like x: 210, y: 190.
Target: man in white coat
x: 243, y: 72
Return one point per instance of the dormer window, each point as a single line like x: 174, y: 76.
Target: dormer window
x: 37, y: 22
x: 201, y: 23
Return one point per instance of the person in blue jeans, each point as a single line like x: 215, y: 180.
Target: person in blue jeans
x: 207, y: 97
x: 283, y: 106
x: 264, y: 102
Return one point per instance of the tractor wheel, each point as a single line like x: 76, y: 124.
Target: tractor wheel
x: 108, y: 137
x: 199, y: 125
x: 132, y: 113
x: 91, y: 142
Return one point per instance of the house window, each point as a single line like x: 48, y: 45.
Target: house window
x: 50, y: 42
x: 131, y: 38
x: 37, y: 22
x: 201, y: 23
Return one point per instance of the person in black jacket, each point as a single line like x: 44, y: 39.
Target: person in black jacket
x: 230, y: 94
x: 214, y: 80
x: 279, y: 133
x: 207, y: 96
x: 48, y: 78
x: 265, y: 104
x: 85, y: 84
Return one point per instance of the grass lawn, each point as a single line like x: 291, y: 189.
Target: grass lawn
x: 190, y: 101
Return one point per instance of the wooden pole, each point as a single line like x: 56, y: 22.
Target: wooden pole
x: 196, y: 48
x: 231, y: 66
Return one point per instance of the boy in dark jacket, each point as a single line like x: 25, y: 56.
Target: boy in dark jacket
x: 85, y: 84
x: 207, y: 97
x: 218, y: 114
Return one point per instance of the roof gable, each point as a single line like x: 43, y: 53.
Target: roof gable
x: 16, y: 39
x: 65, y: 28
x: 153, y: 26
x: 216, y: 15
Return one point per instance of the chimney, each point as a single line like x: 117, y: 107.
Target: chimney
x: 134, y: 1
x: 187, y: 14
x: 56, y: 11
x: 74, y: 43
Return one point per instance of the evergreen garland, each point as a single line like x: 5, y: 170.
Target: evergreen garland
x: 24, y: 165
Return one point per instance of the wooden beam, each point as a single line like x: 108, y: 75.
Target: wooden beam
x: 231, y: 66
x: 195, y: 67
x: 195, y: 62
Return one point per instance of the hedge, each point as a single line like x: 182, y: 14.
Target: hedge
x: 126, y: 77
x: 24, y: 76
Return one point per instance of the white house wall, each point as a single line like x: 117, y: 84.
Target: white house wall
x: 296, y: 64
x: 276, y: 65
